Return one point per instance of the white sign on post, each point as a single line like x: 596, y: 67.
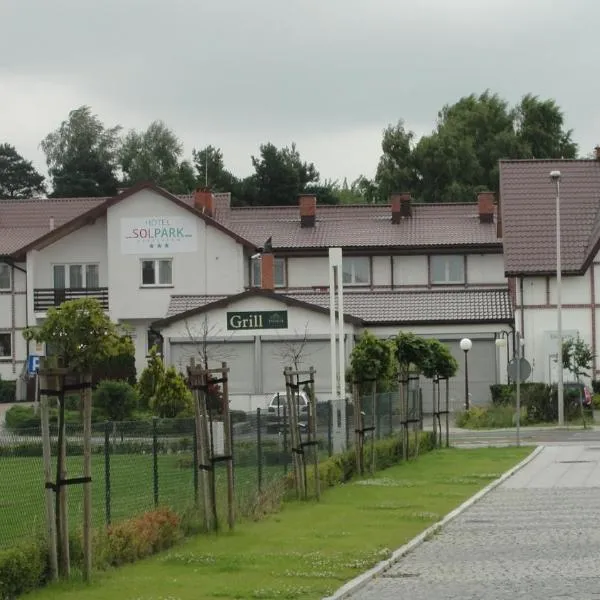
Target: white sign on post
x: 158, y: 235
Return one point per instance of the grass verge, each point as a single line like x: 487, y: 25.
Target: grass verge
x: 307, y: 550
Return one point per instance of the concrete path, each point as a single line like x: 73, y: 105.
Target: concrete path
x: 535, y: 537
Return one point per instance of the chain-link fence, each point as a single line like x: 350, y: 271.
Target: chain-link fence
x: 139, y: 465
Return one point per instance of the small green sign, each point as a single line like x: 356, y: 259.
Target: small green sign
x: 267, y: 319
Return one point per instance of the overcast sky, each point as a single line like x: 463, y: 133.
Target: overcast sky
x: 327, y: 74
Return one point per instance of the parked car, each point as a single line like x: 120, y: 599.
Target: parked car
x: 275, y: 420
x: 572, y: 393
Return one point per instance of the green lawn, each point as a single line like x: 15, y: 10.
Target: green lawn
x: 131, y: 489
x: 308, y: 549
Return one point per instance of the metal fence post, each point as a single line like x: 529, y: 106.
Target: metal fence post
x: 330, y: 427
x: 285, y: 441
x: 347, y: 429
x: 390, y: 413
x: 155, y: 458
x: 195, y: 463
x: 259, y: 456
x: 377, y: 417
x: 107, y: 429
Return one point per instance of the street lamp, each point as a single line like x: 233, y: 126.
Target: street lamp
x: 555, y: 178
x: 465, y: 345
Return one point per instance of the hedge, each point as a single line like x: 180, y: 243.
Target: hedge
x: 8, y: 391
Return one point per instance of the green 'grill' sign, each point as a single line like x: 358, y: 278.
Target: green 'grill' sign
x: 267, y: 319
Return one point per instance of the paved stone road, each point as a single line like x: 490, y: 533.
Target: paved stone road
x: 535, y: 537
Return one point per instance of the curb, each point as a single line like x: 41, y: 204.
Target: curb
x: 359, y: 582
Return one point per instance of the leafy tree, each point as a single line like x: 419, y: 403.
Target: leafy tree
x: 154, y: 155
x: 439, y: 362
x: 577, y: 357
x: 80, y: 334
x: 172, y: 398
x: 211, y: 171
x: 150, y: 378
x: 460, y: 157
x: 412, y: 352
x: 540, y: 125
x: 371, y: 362
x: 115, y: 399
x: 396, y: 171
x: 280, y: 175
x: 82, y: 156
x: 18, y: 177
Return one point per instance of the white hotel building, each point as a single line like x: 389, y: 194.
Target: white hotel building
x: 436, y: 270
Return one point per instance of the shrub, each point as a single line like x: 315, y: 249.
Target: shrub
x: 596, y: 386
x: 150, y: 378
x: 492, y: 417
x: 172, y: 398
x: 115, y: 399
x: 535, y: 397
x: 22, y: 568
x: 19, y: 418
x: 140, y: 537
x: 8, y: 391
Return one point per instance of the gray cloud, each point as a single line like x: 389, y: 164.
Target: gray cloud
x: 329, y: 74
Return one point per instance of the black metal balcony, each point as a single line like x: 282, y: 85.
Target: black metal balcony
x: 43, y: 299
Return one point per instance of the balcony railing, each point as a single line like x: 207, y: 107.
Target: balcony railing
x: 43, y: 299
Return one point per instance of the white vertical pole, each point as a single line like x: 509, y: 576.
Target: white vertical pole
x: 341, y: 341
x: 560, y: 391
x: 332, y: 325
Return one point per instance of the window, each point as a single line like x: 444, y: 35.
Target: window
x: 157, y: 272
x: 5, y: 346
x: 4, y: 276
x: 356, y: 270
x: 278, y: 273
x: 154, y: 339
x: 76, y: 276
x: 448, y: 269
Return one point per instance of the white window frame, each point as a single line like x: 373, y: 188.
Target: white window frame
x: 9, y: 271
x: 257, y: 272
x: 10, y: 348
x: 156, y: 262
x: 350, y: 261
x: 83, y: 266
x: 447, y: 280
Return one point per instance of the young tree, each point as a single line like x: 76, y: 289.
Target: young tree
x: 150, y: 378
x: 18, y: 177
x: 80, y: 334
x: 371, y: 362
x: 172, y: 399
x: 82, y: 156
x: 577, y: 357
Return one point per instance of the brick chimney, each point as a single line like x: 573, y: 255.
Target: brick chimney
x: 485, y: 201
x: 597, y: 152
x: 308, y: 210
x: 204, y: 202
x: 267, y: 271
x: 401, y: 207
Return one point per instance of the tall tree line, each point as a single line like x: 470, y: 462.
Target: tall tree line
x: 456, y: 160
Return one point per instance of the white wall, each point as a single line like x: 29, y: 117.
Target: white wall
x: 308, y: 271
x: 410, y: 270
x: 574, y: 290
x: 86, y: 245
x: 485, y: 268
x: 534, y: 291
x: 216, y: 267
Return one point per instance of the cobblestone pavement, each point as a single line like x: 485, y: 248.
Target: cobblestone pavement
x: 534, y: 537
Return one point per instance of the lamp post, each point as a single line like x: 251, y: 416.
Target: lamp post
x: 465, y: 345
x: 555, y: 178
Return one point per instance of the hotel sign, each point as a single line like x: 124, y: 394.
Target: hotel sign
x: 269, y: 319
x: 158, y: 235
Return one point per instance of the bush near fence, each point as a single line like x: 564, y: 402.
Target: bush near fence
x: 8, y: 391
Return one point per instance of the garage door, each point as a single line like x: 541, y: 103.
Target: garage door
x: 239, y: 357
x: 482, y: 374
x: 278, y: 355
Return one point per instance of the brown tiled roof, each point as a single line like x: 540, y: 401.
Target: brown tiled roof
x: 400, y: 307
x: 24, y: 221
x: 348, y: 226
x: 366, y: 225
x: 528, y: 204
